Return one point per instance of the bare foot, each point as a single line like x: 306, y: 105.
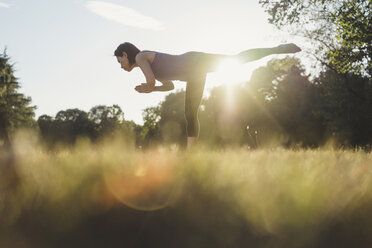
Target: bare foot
x: 288, y: 48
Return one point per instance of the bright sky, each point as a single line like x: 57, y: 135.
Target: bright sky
x: 63, y: 50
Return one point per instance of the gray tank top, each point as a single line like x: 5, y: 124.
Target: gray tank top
x: 182, y: 67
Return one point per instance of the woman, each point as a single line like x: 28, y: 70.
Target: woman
x: 191, y: 67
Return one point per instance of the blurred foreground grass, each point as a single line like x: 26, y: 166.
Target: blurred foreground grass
x: 111, y: 195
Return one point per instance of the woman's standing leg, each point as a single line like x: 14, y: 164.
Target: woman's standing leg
x: 209, y: 63
x: 193, y: 97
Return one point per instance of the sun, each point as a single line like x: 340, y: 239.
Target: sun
x: 230, y: 72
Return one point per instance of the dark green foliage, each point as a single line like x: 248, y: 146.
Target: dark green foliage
x: 106, y: 118
x: 354, y: 32
x: 346, y: 107
x: 340, y: 29
x: 172, y: 123
x: 100, y: 122
x: 293, y: 108
x: 66, y: 127
x: 149, y: 134
x: 15, y: 109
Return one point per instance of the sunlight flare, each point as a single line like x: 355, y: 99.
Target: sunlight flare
x: 231, y: 71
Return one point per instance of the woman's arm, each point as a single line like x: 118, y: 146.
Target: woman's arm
x: 167, y: 86
x: 144, y: 88
x: 144, y: 64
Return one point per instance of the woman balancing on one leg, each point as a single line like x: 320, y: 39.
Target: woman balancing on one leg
x: 191, y: 67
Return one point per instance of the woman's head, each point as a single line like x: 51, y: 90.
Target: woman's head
x: 126, y: 54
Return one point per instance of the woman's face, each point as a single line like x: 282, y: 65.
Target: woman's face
x: 124, y: 62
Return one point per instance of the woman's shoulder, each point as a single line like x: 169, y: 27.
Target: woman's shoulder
x: 146, y: 54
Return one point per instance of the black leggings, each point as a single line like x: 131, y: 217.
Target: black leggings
x: 195, y: 85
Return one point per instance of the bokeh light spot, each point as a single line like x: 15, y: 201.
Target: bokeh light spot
x: 147, y: 185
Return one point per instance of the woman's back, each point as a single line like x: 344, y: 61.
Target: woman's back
x: 176, y: 67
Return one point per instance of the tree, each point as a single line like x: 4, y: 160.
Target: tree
x: 341, y: 29
x: 46, y: 127
x: 293, y: 108
x: 15, y: 109
x: 172, y: 123
x: 222, y: 116
x: 106, y: 118
x: 347, y: 115
x: 275, y: 106
x: 100, y: 122
x: 73, y: 123
x: 150, y: 132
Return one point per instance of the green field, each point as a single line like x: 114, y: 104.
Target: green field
x: 112, y: 195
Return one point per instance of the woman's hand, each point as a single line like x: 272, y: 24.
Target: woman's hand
x: 143, y: 88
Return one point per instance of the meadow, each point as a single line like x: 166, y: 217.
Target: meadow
x: 112, y: 194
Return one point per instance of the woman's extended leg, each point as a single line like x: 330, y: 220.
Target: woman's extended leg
x: 258, y: 53
x: 210, y: 62
x: 193, y: 97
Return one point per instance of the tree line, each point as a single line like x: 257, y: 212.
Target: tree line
x: 279, y: 105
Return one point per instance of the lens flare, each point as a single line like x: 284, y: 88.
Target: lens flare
x: 147, y: 185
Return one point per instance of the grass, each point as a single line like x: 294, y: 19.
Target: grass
x: 111, y: 195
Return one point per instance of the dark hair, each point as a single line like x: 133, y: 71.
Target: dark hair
x: 130, y: 49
